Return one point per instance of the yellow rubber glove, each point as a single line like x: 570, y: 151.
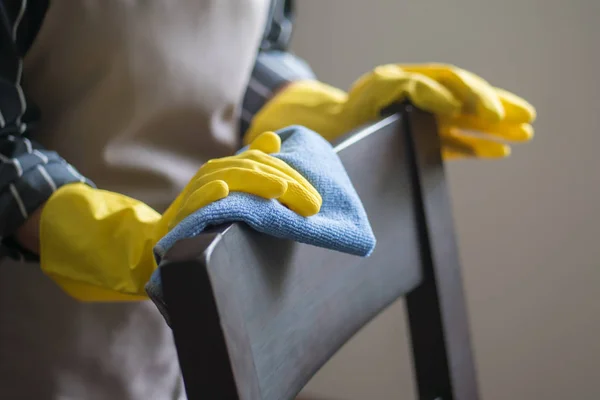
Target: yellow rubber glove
x: 461, y: 100
x: 97, y: 245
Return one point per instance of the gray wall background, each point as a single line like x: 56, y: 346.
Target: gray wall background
x: 529, y: 226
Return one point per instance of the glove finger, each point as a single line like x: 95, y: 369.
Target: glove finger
x: 477, y: 95
x: 300, y: 197
x: 517, y: 110
x: 266, y: 182
x: 292, y: 175
x: 451, y: 155
x: 429, y: 95
x: 300, y: 200
x: 207, y: 194
x: 256, y: 182
x: 258, y: 162
x: 267, y: 142
x: 453, y: 139
x: 516, y: 132
x: 240, y: 161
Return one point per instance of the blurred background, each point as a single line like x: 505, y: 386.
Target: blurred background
x: 529, y: 226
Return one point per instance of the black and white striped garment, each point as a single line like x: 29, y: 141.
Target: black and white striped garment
x: 29, y: 173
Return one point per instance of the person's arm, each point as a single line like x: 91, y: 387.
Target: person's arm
x: 275, y: 66
x: 29, y: 173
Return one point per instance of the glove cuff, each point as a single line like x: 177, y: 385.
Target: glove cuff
x: 97, y: 245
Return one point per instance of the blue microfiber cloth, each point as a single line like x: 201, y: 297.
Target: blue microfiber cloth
x: 341, y: 224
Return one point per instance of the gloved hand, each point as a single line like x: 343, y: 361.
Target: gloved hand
x: 461, y: 101
x: 98, y: 245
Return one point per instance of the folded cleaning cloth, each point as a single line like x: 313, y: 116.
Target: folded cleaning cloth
x: 341, y: 223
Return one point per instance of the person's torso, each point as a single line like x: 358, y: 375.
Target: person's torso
x: 136, y: 95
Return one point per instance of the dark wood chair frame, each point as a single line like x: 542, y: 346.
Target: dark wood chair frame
x: 254, y: 317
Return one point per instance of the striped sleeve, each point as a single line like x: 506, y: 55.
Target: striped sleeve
x: 275, y: 65
x: 29, y: 173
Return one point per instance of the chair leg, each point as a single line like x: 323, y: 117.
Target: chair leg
x: 430, y: 355
x: 201, y: 348
x: 437, y: 312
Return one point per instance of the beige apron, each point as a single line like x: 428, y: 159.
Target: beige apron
x: 136, y: 94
